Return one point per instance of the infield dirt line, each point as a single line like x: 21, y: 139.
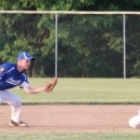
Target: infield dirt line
x: 83, y: 118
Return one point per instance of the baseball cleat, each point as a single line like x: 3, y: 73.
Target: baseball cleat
x: 21, y: 123
x: 134, y: 122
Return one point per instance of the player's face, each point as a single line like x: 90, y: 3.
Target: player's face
x: 25, y: 63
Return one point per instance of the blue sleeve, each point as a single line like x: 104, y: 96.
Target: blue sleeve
x: 25, y: 78
x: 3, y: 69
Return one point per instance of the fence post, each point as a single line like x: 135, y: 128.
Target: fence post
x: 56, y: 43
x: 124, y: 47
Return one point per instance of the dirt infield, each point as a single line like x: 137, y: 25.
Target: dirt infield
x: 83, y: 118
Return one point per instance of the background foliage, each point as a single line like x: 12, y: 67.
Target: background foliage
x: 89, y: 46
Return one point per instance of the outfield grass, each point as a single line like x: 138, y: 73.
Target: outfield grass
x: 70, y: 136
x: 70, y: 90
x: 80, y: 90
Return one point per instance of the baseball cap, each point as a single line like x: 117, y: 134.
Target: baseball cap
x: 25, y: 55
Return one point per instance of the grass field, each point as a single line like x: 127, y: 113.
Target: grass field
x: 85, y: 91
x: 70, y: 136
x: 89, y: 91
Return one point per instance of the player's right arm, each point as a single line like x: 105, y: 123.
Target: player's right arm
x: 4, y: 68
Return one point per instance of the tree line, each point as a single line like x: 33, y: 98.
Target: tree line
x: 88, y: 45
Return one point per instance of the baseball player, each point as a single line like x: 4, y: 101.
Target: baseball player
x: 135, y: 121
x: 12, y: 75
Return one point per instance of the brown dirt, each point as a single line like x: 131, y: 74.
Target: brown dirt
x: 71, y: 118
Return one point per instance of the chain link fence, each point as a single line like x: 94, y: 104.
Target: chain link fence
x: 73, y: 44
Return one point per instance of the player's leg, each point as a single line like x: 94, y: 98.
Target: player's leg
x: 15, y: 103
x: 0, y: 100
x: 135, y: 121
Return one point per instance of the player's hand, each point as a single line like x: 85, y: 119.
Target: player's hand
x: 50, y: 85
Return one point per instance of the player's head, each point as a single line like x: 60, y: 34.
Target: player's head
x: 24, y: 60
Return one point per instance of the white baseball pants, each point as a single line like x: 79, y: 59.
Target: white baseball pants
x: 135, y: 121
x: 15, y: 103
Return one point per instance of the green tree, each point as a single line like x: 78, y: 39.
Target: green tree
x: 88, y: 45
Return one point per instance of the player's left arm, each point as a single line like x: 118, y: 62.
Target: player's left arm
x: 46, y: 88
x: 28, y: 88
x: 31, y: 90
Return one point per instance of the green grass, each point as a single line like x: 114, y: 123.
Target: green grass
x: 71, y: 90
x: 85, y: 90
x: 70, y: 136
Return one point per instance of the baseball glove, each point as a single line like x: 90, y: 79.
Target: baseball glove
x: 50, y: 86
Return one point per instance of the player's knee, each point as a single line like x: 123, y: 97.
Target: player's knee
x: 17, y: 102
x: 134, y: 122
x: 0, y: 100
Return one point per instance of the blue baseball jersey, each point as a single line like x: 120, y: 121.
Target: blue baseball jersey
x: 10, y: 77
